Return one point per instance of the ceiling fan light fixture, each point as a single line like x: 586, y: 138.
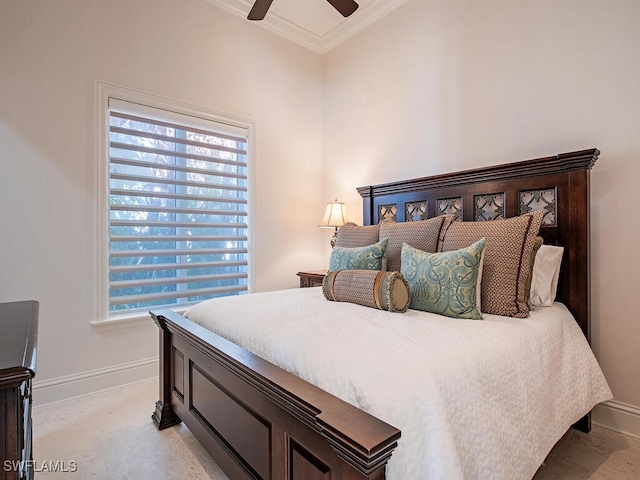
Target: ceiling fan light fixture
x: 345, y: 7
x: 261, y: 7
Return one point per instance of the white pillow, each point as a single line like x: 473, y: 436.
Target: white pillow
x: 544, y: 279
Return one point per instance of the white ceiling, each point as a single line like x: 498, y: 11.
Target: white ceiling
x: 314, y: 24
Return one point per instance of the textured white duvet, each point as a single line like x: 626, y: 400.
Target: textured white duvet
x: 473, y: 399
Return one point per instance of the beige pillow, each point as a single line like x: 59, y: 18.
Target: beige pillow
x: 423, y: 235
x: 537, y: 243
x: 382, y: 290
x: 507, y: 259
x: 352, y: 235
x: 546, y: 272
x: 446, y: 223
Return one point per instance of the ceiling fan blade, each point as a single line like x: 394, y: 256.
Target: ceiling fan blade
x: 345, y: 7
x: 259, y: 9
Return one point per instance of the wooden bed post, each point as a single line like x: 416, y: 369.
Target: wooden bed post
x: 164, y: 416
x: 367, y: 208
x: 580, y: 249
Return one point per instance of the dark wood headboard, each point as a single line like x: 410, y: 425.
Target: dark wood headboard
x: 558, y: 184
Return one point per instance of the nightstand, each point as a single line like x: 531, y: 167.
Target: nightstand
x: 311, y: 278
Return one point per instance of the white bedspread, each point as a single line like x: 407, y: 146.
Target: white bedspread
x: 473, y: 399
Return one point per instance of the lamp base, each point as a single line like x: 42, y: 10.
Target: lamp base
x: 334, y: 238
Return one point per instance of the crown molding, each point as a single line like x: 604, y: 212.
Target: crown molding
x: 361, y: 19
x: 364, y: 16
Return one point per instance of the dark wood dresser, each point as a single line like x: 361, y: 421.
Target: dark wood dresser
x: 18, y: 340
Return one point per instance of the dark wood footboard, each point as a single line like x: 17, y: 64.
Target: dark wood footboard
x: 258, y: 421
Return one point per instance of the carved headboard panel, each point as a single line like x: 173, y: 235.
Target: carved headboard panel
x: 558, y: 184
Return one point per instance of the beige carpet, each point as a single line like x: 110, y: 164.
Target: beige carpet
x: 110, y: 435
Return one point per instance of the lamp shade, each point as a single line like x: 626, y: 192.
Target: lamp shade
x: 335, y: 215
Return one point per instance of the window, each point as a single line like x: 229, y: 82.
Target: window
x: 177, y: 208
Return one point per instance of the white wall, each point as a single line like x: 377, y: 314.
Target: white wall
x: 441, y: 85
x: 51, y: 55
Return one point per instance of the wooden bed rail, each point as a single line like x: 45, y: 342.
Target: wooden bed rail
x: 292, y: 429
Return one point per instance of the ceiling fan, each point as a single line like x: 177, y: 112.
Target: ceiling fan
x: 260, y: 8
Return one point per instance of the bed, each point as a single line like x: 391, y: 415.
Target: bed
x: 259, y: 420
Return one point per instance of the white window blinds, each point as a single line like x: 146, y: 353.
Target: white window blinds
x: 177, y: 208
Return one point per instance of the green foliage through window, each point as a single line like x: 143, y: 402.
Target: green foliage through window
x: 177, y: 213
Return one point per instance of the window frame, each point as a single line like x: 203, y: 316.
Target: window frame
x: 104, y: 92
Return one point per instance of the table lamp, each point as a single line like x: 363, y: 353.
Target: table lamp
x: 334, y: 216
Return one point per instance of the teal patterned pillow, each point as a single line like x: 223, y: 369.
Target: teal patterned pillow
x: 361, y: 258
x: 446, y: 283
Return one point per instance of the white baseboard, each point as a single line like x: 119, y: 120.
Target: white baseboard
x: 618, y: 416
x: 92, y: 381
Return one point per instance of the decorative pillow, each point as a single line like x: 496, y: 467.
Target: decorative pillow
x: 381, y: 290
x: 361, y: 258
x: 423, y: 235
x: 352, y: 235
x: 537, y: 243
x: 447, y: 283
x: 546, y: 271
x: 446, y: 223
x: 507, y: 259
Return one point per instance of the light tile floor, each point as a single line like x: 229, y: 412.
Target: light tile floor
x: 110, y: 435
